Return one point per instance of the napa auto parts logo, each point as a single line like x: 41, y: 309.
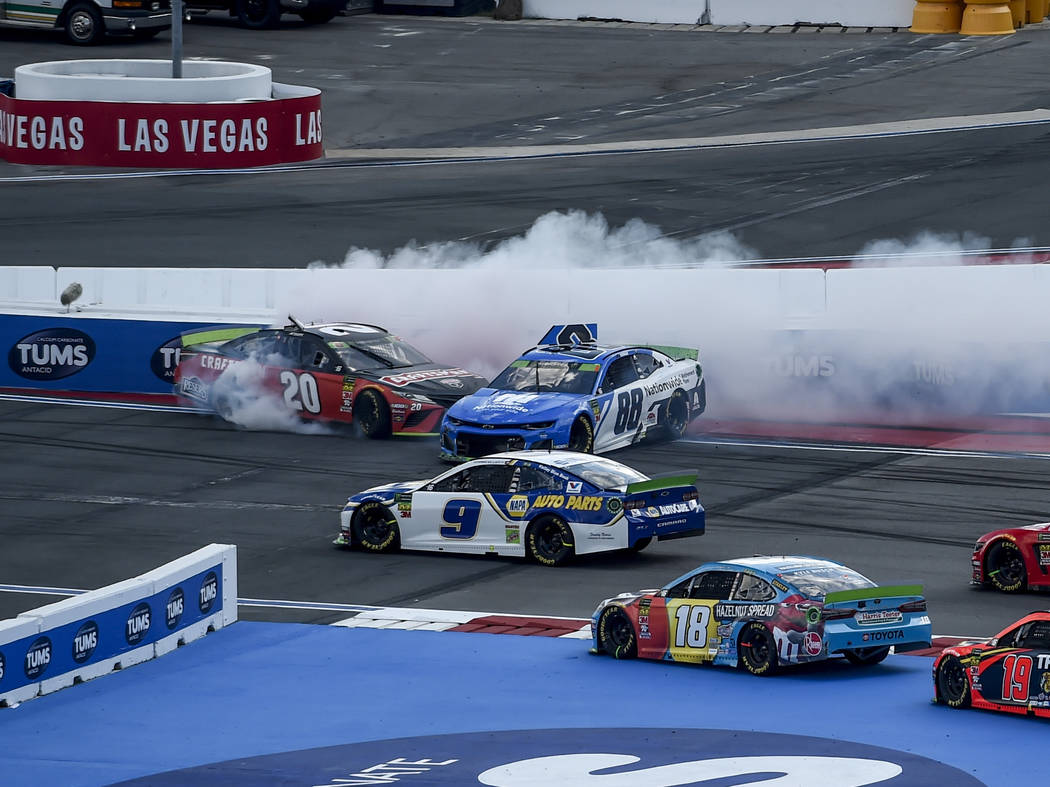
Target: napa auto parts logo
x: 51, y: 354
x: 529, y: 758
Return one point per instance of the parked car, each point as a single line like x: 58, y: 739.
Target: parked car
x: 87, y: 22
x: 259, y: 14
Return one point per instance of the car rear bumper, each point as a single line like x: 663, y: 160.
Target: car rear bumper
x: 128, y: 22
x: 913, y: 632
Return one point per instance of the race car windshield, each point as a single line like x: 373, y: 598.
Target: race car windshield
x: 382, y: 351
x: 815, y: 583
x: 547, y: 376
x: 606, y: 475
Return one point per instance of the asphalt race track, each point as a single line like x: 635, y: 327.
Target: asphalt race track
x: 92, y: 496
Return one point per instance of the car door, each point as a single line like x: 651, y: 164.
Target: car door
x: 691, y: 621
x: 620, y: 424
x: 1019, y: 675
x: 455, y: 513
x: 315, y: 389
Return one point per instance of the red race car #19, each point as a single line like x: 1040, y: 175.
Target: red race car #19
x: 340, y: 372
x: 1013, y: 559
x: 1010, y: 673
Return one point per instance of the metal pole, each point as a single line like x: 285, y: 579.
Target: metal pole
x: 176, y: 39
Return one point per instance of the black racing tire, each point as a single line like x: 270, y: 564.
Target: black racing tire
x: 549, y: 541
x: 641, y: 544
x: 866, y: 657
x: 953, y: 684
x: 84, y: 25
x: 258, y: 14
x: 317, y: 16
x: 676, y: 415
x: 374, y: 528
x: 372, y: 415
x: 757, y: 649
x: 581, y: 435
x: 1004, y: 567
x: 616, y: 634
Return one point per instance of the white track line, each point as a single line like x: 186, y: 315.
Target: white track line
x: 868, y: 449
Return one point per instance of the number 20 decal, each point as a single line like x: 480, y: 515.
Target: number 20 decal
x: 461, y: 518
x: 691, y: 626
x: 1017, y: 671
x: 300, y: 392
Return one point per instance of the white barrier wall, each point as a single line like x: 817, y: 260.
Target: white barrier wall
x: 115, y: 627
x: 848, y: 13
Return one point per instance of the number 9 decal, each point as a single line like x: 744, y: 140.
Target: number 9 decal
x: 461, y: 518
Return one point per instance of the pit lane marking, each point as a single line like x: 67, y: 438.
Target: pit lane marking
x: 419, y: 157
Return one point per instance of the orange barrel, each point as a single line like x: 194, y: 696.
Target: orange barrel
x: 987, y: 18
x: 938, y: 16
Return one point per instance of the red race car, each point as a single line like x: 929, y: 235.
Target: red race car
x: 1009, y: 673
x: 343, y: 372
x: 1013, y: 559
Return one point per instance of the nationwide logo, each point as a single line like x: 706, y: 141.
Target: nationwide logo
x: 38, y: 657
x: 407, y: 378
x: 85, y: 641
x: 642, y: 757
x: 51, y: 354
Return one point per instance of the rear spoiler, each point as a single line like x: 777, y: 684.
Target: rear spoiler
x: 863, y: 594
x: 570, y: 335
x: 678, y: 353
x: 218, y: 334
x: 665, y: 482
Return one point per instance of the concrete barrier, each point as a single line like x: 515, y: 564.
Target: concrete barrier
x: 91, y: 634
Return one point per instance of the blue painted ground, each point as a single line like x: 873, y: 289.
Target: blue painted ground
x: 261, y: 688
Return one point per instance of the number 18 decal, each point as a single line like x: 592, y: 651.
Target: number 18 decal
x: 461, y: 518
x: 691, y: 626
x: 300, y: 391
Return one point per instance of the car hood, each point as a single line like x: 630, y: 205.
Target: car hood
x: 489, y: 406
x: 443, y: 384
x: 386, y: 492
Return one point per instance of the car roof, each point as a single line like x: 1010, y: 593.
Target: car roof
x: 772, y: 565
x: 341, y: 330
x: 564, y: 460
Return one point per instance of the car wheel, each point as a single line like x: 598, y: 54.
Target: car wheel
x: 84, y: 25
x: 549, y: 541
x: 641, y: 544
x: 758, y: 651
x: 953, y: 687
x: 581, y: 435
x: 317, y: 16
x: 866, y: 657
x: 616, y: 634
x: 374, y: 528
x: 1004, y: 567
x: 258, y: 14
x: 372, y: 415
x: 676, y: 417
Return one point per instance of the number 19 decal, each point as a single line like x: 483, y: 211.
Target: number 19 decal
x: 461, y: 517
x: 1017, y: 671
x: 300, y: 392
x: 691, y: 626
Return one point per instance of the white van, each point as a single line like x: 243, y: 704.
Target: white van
x: 87, y: 22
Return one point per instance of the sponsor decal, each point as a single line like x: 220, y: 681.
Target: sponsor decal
x: 38, y: 657
x: 724, y: 629
x: 85, y: 641
x: 883, y: 636
x: 404, y: 504
x: 517, y: 506
x: 665, y: 386
x: 208, y: 593
x: 813, y: 616
x: 51, y: 354
x: 1043, y: 537
x: 614, y: 504
x: 734, y: 611
x: 513, y: 534
x: 574, y: 487
x: 812, y: 643
x: 780, y: 586
x: 174, y: 608
x: 596, y: 410
x: 641, y: 757
x: 165, y: 358
x: 1044, y: 554
x: 137, y: 626
x: 570, y: 503
x: 219, y: 363
x: 796, y: 365
x: 933, y: 373
x: 600, y: 535
x: 194, y: 388
x: 675, y: 508
x: 452, y: 382
x: 407, y: 378
x: 875, y: 618
x: 1046, y: 683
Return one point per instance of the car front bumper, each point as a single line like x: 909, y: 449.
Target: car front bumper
x: 127, y: 22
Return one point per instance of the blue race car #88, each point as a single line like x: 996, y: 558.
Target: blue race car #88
x: 569, y: 392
